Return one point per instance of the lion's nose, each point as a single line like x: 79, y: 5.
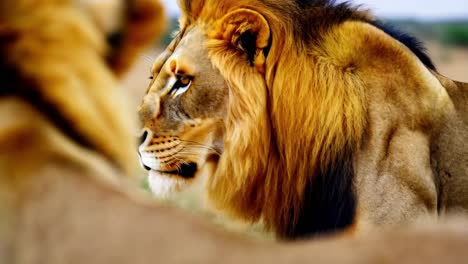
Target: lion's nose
x: 150, y: 108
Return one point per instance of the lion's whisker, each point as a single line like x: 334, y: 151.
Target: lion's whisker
x: 194, y: 144
x: 187, y: 153
x: 181, y: 160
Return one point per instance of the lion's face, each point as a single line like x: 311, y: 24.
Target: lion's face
x: 182, y: 115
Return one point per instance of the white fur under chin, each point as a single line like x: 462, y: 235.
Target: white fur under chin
x: 165, y: 186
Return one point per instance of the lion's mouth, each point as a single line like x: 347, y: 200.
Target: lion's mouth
x: 186, y: 170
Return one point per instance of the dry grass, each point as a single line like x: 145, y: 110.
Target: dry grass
x: 450, y: 61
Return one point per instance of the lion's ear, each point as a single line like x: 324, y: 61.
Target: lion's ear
x: 249, y: 32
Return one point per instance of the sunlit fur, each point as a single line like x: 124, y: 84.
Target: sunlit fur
x: 335, y: 121
x: 62, y: 202
x: 301, y: 102
x: 63, y: 54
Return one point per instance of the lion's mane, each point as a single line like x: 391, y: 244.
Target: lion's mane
x: 297, y: 112
x: 58, y: 55
x: 264, y: 137
x: 56, y: 205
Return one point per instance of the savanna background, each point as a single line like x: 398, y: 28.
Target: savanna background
x: 441, y: 25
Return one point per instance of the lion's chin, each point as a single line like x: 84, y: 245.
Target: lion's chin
x: 165, y: 185
x: 190, y: 177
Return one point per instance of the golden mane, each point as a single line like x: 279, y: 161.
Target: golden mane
x: 308, y: 98
x: 74, y: 66
x: 264, y: 158
x: 59, y: 198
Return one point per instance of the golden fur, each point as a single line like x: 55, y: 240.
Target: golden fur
x: 138, y: 33
x: 24, y: 39
x: 63, y: 202
x: 331, y: 131
x: 340, y: 123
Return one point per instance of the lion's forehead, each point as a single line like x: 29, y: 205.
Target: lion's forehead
x: 187, y: 50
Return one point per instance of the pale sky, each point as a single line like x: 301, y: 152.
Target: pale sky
x: 423, y: 9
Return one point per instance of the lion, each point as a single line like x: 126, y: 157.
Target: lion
x: 311, y: 116
x: 65, y: 191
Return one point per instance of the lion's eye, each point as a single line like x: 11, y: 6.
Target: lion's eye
x: 181, y: 85
x: 184, y: 80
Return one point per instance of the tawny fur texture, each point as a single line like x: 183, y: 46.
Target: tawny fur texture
x: 319, y: 97
x: 72, y: 66
x: 65, y: 202
x: 309, y: 103
x: 251, y: 151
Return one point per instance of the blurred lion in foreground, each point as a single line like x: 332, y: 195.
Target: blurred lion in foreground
x: 309, y: 115
x: 66, y: 145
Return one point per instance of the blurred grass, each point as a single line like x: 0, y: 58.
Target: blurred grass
x: 192, y: 201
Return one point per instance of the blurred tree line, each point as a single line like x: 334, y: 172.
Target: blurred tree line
x: 453, y: 33
x: 171, y: 29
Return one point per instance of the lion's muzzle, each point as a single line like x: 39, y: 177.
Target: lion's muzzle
x: 165, y: 154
